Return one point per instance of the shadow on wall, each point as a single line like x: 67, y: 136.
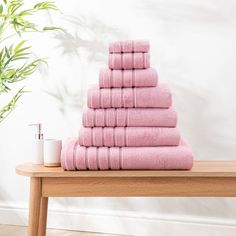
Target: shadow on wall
x: 86, y: 40
x: 65, y: 97
x: 88, y: 34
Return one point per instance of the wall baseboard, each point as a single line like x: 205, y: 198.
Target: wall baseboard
x: 124, y: 222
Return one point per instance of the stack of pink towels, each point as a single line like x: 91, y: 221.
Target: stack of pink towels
x: 130, y: 122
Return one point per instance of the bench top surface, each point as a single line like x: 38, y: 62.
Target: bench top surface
x: 208, y: 168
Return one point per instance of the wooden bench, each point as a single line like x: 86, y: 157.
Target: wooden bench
x: 206, y: 179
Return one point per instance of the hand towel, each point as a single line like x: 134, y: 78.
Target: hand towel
x: 128, y: 136
x: 127, y: 78
x: 157, y: 97
x: 123, y: 117
x: 130, y: 158
x: 129, y: 46
x: 137, y: 60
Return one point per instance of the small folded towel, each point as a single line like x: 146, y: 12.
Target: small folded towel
x: 127, y: 78
x: 123, y: 117
x: 75, y: 157
x: 128, y: 136
x: 137, y: 60
x: 156, y: 97
x: 129, y: 46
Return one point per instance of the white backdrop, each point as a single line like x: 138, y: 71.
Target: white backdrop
x: 193, y: 49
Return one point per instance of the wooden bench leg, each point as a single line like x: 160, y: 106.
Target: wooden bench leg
x: 43, y: 216
x: 34, y: 205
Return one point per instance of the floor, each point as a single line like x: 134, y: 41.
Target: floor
x: 12, y: 230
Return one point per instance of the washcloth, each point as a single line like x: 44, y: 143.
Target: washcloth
x: 75, y: 157
x: 157, y: 97
x: 137, y: 60
x: 127, y: 78
x: 123, y: 117
x: 128, y: 136
x: 129, y: 46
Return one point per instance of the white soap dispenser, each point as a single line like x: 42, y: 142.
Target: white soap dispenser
x: 37, y: 149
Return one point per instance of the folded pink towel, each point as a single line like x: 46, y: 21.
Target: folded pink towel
x: 128, y: 136
x: 127, y: 78
x: 137, y: 60
x: 129, y: 46
x: 75, y: 157
x: 67, y: 154
x: 122, y: 117
x: 159, y: 96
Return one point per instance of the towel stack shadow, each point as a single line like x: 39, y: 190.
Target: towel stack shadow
x: 129, y: 122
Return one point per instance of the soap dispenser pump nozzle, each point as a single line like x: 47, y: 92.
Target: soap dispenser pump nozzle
x: 38, y: 134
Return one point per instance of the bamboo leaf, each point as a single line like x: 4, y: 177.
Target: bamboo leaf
x: 8, y: 108
x: 14, y: 65
x: 45, y: 5
x: 19, y: 45
x: 7, y: 52
x: 17, y: 6
x: 23, y: 49
x: 27, y: 12
x: 1, y: 8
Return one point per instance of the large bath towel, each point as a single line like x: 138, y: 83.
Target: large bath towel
x: 128, y: 136
x: 129, y: 46
x: 157, y: 97
x: 127, y: 78
x: 67, y: 154
x: 132, y: 117
x: 76, y: 157
x: 137, y: 60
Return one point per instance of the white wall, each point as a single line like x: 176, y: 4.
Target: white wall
x: 193, y: 48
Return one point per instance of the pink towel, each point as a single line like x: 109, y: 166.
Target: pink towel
x: 128, y: 137
x: 129, y: 46
x: 137, y: 60
x: 127, y: 78
x: 67, y: 154
x: 145, y: 158
x: 157, y: 97
x: 122, y: 117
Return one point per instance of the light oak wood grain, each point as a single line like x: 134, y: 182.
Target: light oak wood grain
x: 143, y: 187
x: 43, y: 216
x: 34, y: 205
x: 200, y: 169
x: 205, y: 179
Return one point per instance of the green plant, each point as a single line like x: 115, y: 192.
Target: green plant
x: 15, y: 59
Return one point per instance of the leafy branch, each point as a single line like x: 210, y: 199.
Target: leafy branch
x: 8, y: 108
x: 15, y: 60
